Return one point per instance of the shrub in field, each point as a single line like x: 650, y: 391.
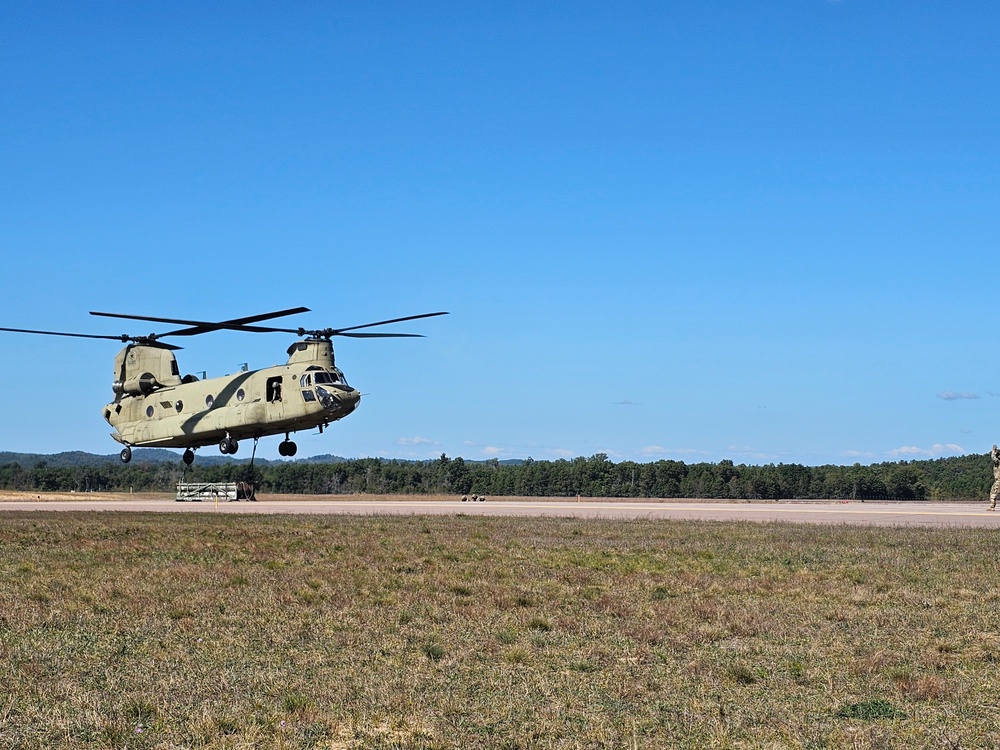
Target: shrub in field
x: 870, y: 710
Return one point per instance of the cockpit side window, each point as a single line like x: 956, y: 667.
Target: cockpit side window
x: 306, y: 380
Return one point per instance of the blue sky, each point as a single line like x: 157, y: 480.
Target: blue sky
x: 693, y: 231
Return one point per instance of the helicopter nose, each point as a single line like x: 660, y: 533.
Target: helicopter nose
x: 351, y: 399
x: 341, y: 400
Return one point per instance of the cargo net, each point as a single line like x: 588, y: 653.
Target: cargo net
x: 201, y: 491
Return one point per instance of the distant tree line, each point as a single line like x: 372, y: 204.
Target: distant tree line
x: 964, y: 477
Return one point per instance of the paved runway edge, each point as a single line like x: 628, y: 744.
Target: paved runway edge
x: 834, y: 512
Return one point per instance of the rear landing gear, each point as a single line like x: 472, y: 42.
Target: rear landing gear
x: 228, y: 445
x: 126, y: 454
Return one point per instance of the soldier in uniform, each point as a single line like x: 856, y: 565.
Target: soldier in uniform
x: 995, y: 489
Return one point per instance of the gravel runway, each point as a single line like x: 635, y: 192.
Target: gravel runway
x: 914, y: 513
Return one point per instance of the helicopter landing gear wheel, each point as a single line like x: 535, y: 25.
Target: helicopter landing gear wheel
x: 126, y: 454
x: 228, y: 445
x: 188, y: 457
x: 287, y: 448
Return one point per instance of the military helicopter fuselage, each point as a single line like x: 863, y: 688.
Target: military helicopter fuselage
x: 155, y: 406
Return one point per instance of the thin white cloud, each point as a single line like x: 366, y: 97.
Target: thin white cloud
x: 938, y: 449
x: 416, y: 441
x: 953, y: 396
x: 749, y: 452
x: 626, y: 402
x: 658, y: 450
x: 947, y: 448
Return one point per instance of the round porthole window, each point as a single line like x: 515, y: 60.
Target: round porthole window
x: 179, y: 405
x: 209, y: 400
x: 149, y: 411
x: 240, y: 394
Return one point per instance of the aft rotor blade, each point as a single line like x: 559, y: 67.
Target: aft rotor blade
x: 74, y: 335
x: 124, y: 338
x: 195, y: 327
x: 59, y: 333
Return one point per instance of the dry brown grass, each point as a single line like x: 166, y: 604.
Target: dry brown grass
x: 427, y: 632
x: 50, y: 497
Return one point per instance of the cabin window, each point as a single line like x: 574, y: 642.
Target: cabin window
x: 179, y: 405
x: 274, y: 389
x: 209, y: 400
x: 149, y: 411
x: 308, y: 396
x: 240, y: 394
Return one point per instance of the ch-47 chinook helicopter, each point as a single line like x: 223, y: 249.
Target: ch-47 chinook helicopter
x: 156, y: 407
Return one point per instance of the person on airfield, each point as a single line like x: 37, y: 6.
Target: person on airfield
x: 995, y: 489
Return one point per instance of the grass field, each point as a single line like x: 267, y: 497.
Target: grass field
x: 154, y: 631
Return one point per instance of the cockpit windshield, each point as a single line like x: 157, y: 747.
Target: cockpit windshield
x: 335, y: 377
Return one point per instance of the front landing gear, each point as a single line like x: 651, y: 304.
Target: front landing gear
x: 228, y: 446
x: 287, y: 448
x: 126, y: 454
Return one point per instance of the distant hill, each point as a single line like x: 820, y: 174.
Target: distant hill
x: 325, y: 458
x: 139, y: 456
x: 70, y: 458
x: 163, y: 456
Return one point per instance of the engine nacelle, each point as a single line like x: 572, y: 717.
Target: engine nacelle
x: 140, y: 370
x: 140, y: 386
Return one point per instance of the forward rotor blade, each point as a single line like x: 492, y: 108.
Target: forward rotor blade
x: 379, y: 335
x: 340, y: 331
x: 344, y: 331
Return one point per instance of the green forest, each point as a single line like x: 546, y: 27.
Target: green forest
x: 960, y: 478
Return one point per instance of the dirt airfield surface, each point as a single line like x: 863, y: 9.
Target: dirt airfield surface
x: 911, y: 513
